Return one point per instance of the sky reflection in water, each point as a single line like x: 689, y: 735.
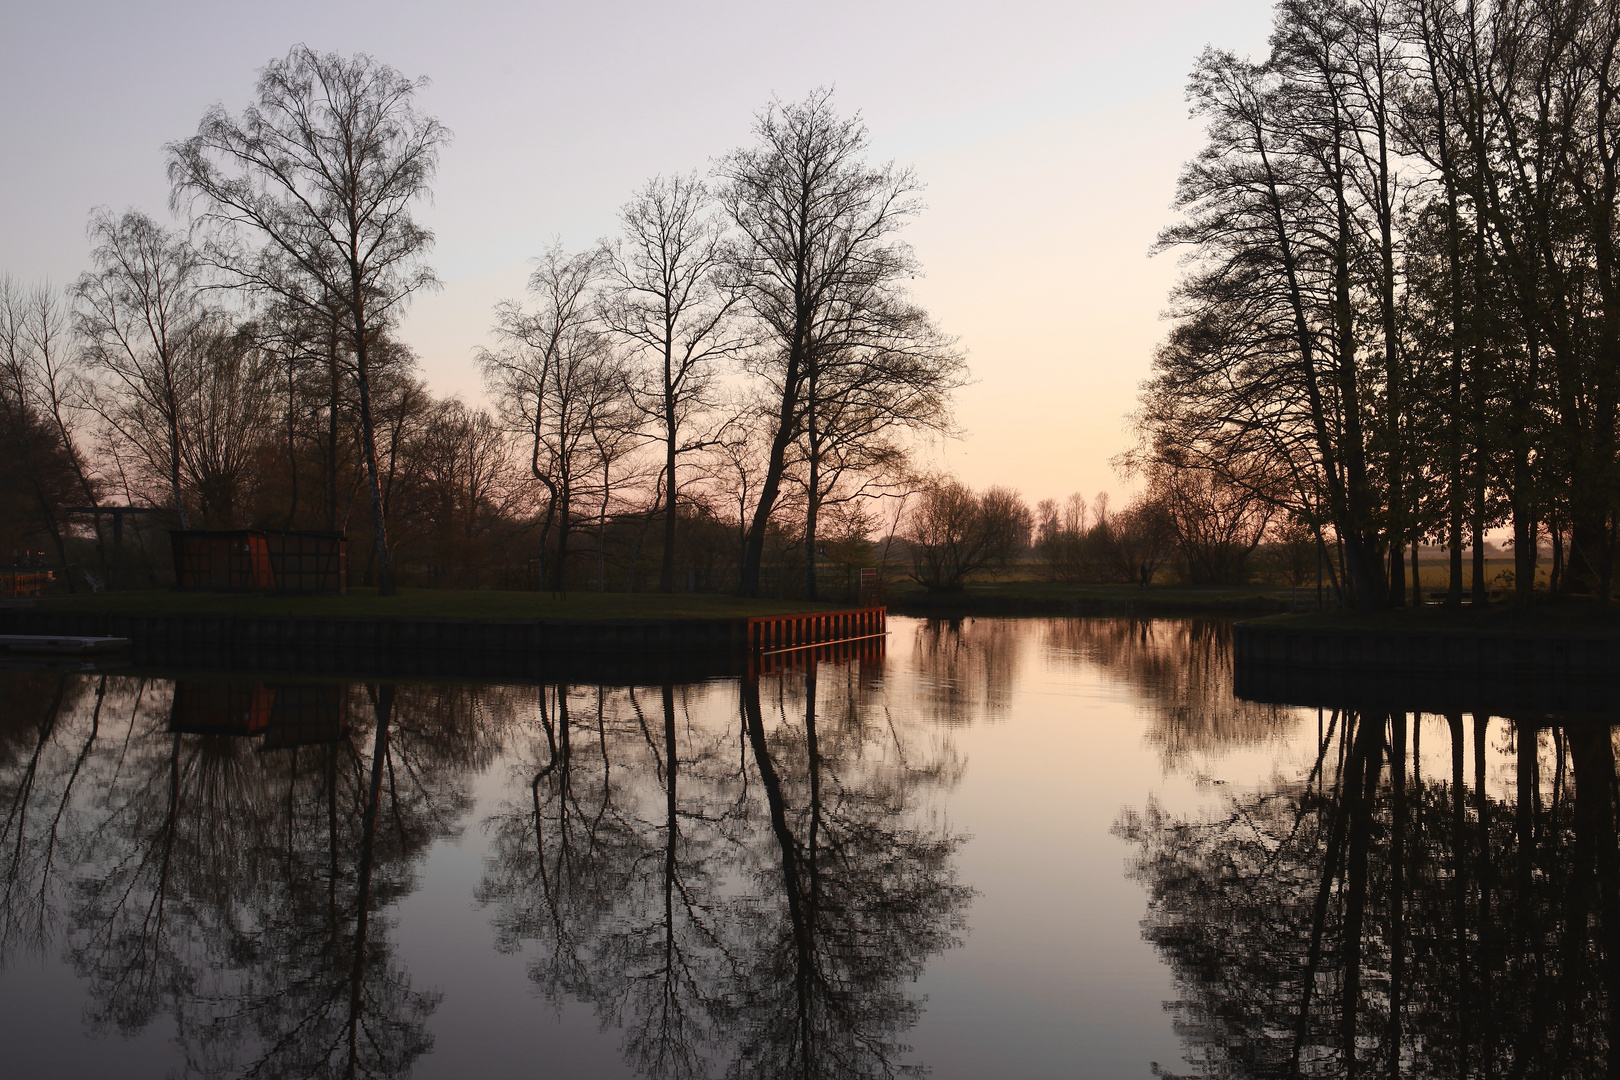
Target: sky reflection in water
x: 999, y: 850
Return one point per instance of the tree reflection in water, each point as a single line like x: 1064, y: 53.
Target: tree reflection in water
x: 743, y: 876
x: 746, y: 891
x: 226, y: 881
x: 1367, y: 919
x: 1182, y: 668
x: 32, y: 755
x: 966, y: 668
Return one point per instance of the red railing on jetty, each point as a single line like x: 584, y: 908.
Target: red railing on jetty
x: 773, y: 633
x: 867, y: 650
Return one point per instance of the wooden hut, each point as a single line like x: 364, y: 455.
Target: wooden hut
x: 205, y: 708
x: 233, y: 560
x: 307, y: 715
x: 309, y: 562
x: 286, y: 716
x: 260, y: 560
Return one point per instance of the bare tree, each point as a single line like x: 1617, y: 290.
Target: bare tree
x: 556, y: 379
x: 1216, y: 524
x: 954, y: 532
x: 35, y: 382
x: 861, y: 401
x: 1060, y: 535
x: 663, y: 302
x: 816, y: 250
x: 1266, y: 359
x: 144, y: 328
x: 42, y: 366
x: 734, y: 466
x: 460, y: 473
x: 324, y: 172
x: 294, y: 345
x: 614, y: 436
x: 227, y: 418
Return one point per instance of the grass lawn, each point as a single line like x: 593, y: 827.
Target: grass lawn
x: 437, y: 604
x: 1051, y: 597
x: 1170, y: 594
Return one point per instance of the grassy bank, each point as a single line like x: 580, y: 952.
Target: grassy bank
x: 436, y: 604
x: 995, y: 598
x: 1055, y: 598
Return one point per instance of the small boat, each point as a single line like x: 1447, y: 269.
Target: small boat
x: 62, y: 644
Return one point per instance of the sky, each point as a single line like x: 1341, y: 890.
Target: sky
x: 1048, y: 135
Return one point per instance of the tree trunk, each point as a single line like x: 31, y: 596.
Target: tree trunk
x: 666, y: 568
x: 174, y: 441
x: 1555, y: 582
x: 292, y: 448
x: 1417, y: 580
x: 1526, y: 532
x: 1340, y: 501
x: 601, y: 538
x: 1393, y: 373
x: 812, y: 507
x: 1463, y: 955
x: 776, y: 463
x: 383, y: 700
x: 558, y: 568
x: 385, y: 565
x: 332, y: 431
x: 1397, y: 888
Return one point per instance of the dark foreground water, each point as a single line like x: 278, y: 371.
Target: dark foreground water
x: 1004, y: 848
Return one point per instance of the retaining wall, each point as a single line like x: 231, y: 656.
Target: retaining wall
x: 448, y: 647
x: 1522, y: 675
x: 1410, y: 652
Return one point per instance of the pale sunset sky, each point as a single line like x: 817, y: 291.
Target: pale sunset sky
x: 1049, y: 136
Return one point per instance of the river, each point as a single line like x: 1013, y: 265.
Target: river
x: 994, y: 847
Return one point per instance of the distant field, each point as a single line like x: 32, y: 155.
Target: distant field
x: 1431, y: 567
x: 1057, y: 598
x: 437, y: 604
x: 1435, y: 575
x: 1022, y: 588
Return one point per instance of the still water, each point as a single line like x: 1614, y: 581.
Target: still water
x: 1010, y: 848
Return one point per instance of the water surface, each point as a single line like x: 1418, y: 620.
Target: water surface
x: 1024, y: 848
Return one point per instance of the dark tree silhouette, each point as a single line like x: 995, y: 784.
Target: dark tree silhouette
x: 618, y: 869
x: 1365, y: 919
x: 190, y: 871
x: 323, y: 171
